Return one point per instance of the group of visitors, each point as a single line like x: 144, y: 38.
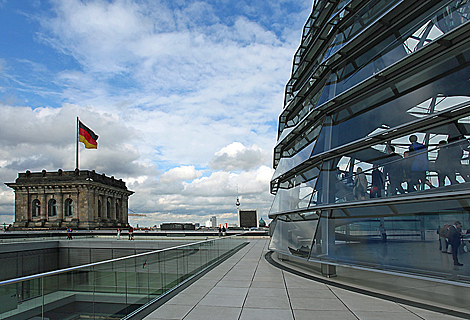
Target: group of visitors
x: 222, y: 231
x: 130, y: 234
x: 411, y: 169
x: 450, y: 240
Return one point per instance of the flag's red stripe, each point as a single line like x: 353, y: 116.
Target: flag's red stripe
x: 85, y: 134
x: 93, y: 135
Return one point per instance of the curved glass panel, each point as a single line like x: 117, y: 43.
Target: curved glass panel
x: 422, y: 161
x: 400, y: 237
x: 287, y: 163
x: 362, y: 20
x: 349, y: 124
x: 440, y: 162
x: 297, y: 197
x: 294, y: 237
x: 336, y: 41
x: 420, y: 32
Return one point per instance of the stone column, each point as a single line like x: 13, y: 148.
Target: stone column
x: 117, y: 207
x: 22, y: 212
x: 60, y: 204
x: 75, y: 218
x: 87, y: 206
x: 113, y: 207
x: 107, y: 211
x: 89, y: 202
x: 124, y: 206
x: 104, y: 211
x: 29, y: 213
x: 101, y: 204
x: 95, y: 204
x: 76, y: 203
x: 121, y: 208
x: 21, y: 207
x: 42, y: 198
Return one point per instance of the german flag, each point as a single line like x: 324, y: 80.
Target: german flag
x: 87, y: 136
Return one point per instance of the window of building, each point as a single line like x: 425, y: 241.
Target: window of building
x: 36, y: 208
x: 52, y: 208
x: 68, y: 207
x: 99, y: 208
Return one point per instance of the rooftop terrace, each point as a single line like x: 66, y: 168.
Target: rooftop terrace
x: 247, y: 287
x: 202, y: 281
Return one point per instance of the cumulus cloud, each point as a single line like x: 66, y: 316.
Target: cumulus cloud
x: 238, y: 157
x: 201, y: 198
x: 180, y: 174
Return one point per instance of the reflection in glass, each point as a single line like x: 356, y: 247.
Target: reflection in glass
x: 401, y: 238
x: 422, y: 161
x: 293, y: 237
x: 425, y: 28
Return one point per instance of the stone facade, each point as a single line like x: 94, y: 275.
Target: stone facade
x: 80, y: 199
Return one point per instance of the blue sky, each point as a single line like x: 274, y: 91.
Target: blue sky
x: 184, y: 95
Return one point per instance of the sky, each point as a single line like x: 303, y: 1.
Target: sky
x: 184, y: 96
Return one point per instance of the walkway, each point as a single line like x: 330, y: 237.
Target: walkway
x: 246, y: 287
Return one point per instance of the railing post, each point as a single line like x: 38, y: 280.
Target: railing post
x: 94, y: 289
x: 43, y: 300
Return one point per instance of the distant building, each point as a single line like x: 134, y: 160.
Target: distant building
x: 177, y: 226
x: 79, y: 199
x: 248, y: 218
x: 213, y: 221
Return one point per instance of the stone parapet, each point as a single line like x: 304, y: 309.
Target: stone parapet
x: 68, y: 176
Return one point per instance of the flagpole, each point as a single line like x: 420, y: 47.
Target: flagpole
x: 76, y: 153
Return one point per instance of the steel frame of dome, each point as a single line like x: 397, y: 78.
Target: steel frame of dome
x: 367, y: 77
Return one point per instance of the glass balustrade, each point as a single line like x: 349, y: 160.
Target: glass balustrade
x: 110, y: 289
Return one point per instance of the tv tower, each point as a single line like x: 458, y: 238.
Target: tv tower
x: 238, y: 207
x: 238, y: 201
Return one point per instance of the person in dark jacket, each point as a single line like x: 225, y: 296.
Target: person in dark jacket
x: 377, y: 183
x: 394, y: 171
x: 444, y: 165
x: 443, y: 234
x: 407, y: 161
x: 454, y: 235
x: 420, y: 162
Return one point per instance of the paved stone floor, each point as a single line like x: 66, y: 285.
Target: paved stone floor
x: 246, y: 287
